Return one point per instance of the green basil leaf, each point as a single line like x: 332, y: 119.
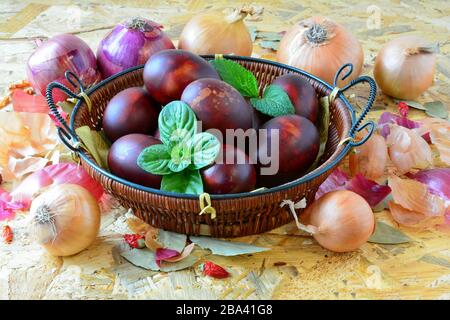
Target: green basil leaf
x: 237, y: 76
x: 94, y: 142
x: 187, y: 181
x: 275, y: 102
x: 205, y: 148
x: 177, y: 123
x: 180, y: 156
x: 436, y: 109
x: 155, y: 159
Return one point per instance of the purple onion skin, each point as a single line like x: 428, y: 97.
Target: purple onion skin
x: 128, y: 46
x: 57, y: 55
x: 437, y: 181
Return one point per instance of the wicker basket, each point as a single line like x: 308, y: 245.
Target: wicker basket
x: 237, y: 214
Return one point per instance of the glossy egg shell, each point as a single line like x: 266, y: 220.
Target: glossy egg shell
x: 122, y: 159
x: 130, y: 111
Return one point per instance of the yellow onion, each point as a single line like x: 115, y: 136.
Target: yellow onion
x: 65, y: 219
x: 340, y: 221
x: 405, y: 67
x: 212, y: 33
x: 321, y: 46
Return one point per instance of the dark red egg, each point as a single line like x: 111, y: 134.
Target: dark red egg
x: 130, y: 111
x: 218, y: 105
x: 298, y: 146
x: 168, y: 72
x: 302, y: 95
x: 233, y: 176
x: 122, y: 159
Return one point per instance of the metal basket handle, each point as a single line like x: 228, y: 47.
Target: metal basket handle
x: 357, y: 127
x: 67, y: 136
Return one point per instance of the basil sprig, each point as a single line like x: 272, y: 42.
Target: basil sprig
x: 183, y: 152
x: 274, y: 102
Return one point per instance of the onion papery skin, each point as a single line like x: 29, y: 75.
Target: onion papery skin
x: 402, y: 75
x: 212, y: 33
x: 322, y: 59
x: 128, y: 45
x: 57, y: 55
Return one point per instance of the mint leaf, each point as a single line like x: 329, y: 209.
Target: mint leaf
x: 177, y: 123
x: 205, y: 148
x: 155, y: 159
x: 180, y: 157
x: 237, y: 76
x: 275, y: 102
x: 187, y: 181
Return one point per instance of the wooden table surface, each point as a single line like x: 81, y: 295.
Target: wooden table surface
x: 417, y: 270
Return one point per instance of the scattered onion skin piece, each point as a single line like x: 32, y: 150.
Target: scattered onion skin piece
x: 402, y: 70
x: 437, y: 181
x: 341, y: 221
x: 320, y: 47
x: 414, y: 196
x: 439, y: 132
x: 404, y: 216
x: 370, y: 159
x: 407, y: 149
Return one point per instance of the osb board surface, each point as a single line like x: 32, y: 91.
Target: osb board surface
x: 418, y: 270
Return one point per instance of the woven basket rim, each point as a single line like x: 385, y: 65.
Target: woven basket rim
x: 306, y: 178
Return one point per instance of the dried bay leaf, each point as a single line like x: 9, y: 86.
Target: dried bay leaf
x: 273, y: 45
x: 185, y: 263
x: 172, y: 240
x: 385, y: 234
x: 97, y: 145
x: 436, y: 109
x: 143, y: 258
x: 415, y: 105
x: 226, y: 248
x: 323, y: 125
x: 435, y: 260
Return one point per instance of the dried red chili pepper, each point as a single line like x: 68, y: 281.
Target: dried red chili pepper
x: 136, y: 241
x: 403, y: 109
x: 213, y: 270
x: 7, y: 234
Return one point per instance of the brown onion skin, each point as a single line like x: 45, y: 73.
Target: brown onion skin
x: 401, y: 76
x: 218, y: 105
x: 302, y: 95
x: 167, y: 73
x: 222, y: 178
x: 122, y: 159
x: 130, y: 111
x: 298, y: 148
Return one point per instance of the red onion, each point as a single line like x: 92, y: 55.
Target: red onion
x: 130, y: 44
x: 57, y: 55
